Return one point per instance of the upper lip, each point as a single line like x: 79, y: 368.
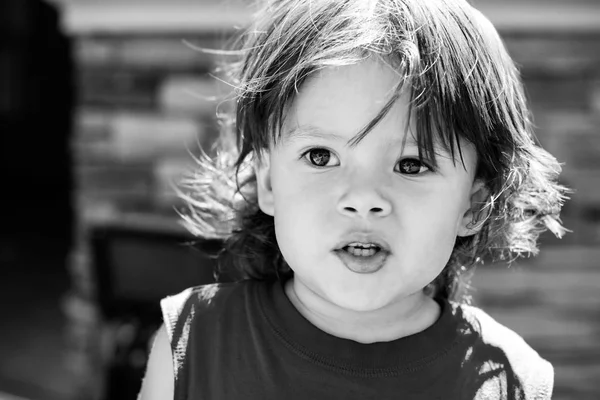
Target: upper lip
x: 363, y: 237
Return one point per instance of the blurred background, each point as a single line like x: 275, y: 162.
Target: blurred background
x: 102, y: 104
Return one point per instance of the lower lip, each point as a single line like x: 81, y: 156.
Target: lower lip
x: 360, y: 264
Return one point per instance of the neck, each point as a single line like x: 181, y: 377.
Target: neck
x: 405, y: 317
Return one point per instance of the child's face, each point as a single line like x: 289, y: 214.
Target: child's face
x: 325, y: 194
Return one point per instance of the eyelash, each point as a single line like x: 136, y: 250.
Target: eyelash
x: 415, y: 159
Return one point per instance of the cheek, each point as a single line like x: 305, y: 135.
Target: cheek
x: 299, y: 193
x: 434, y: 220
x: 300, y: 210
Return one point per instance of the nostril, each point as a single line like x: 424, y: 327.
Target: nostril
x: 375, y: 210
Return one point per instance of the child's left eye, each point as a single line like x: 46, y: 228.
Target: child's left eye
x: 319, y: 157
x: 412, y: 166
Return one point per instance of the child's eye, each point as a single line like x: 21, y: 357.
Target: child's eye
x: 412, y: 166
x: 320, y: 157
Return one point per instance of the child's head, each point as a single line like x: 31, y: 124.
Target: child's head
x: 395, y: 123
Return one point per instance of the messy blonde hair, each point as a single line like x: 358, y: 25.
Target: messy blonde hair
x: 462, y: 84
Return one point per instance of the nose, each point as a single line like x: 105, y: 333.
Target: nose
x: 364, y: 201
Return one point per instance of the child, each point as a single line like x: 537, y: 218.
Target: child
x: 384, y: 148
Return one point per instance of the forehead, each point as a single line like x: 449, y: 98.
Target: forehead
x: 341, y: 101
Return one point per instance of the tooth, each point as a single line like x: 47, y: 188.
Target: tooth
x: 360, y: 251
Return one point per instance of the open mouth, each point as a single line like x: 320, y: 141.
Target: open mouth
x: 363, y: 258
x: 362, y: 250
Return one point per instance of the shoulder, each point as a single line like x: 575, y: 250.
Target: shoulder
x: 180, y: 345
x: 201, y: 300
x: 502, y: 355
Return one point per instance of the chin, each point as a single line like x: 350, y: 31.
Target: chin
x: 359, y: 301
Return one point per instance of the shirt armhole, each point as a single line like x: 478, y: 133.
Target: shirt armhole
x: 177, y: 321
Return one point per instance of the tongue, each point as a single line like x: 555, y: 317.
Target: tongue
x: 363, y: 264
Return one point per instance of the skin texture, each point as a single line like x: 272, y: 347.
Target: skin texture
x: 362, y: 188
x: 158, y: 383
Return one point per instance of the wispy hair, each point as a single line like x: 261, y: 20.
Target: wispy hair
x: 462, y: 84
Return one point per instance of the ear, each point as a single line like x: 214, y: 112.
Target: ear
x: 474, y: 218
x: 264, y: 189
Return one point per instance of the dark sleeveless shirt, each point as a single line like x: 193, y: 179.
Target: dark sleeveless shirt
x: 246, y: 340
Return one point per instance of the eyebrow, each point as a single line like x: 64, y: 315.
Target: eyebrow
x: 313, y: 132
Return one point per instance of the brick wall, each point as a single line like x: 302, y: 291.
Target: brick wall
x: 562, y: 79
x: 145, y: 107
x: 144, y: 103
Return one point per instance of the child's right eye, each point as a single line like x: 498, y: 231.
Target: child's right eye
x: 320, y: 157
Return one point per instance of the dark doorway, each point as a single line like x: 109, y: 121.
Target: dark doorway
x: 36, y: 213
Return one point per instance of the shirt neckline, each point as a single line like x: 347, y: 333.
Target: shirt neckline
x: 309, y: 342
